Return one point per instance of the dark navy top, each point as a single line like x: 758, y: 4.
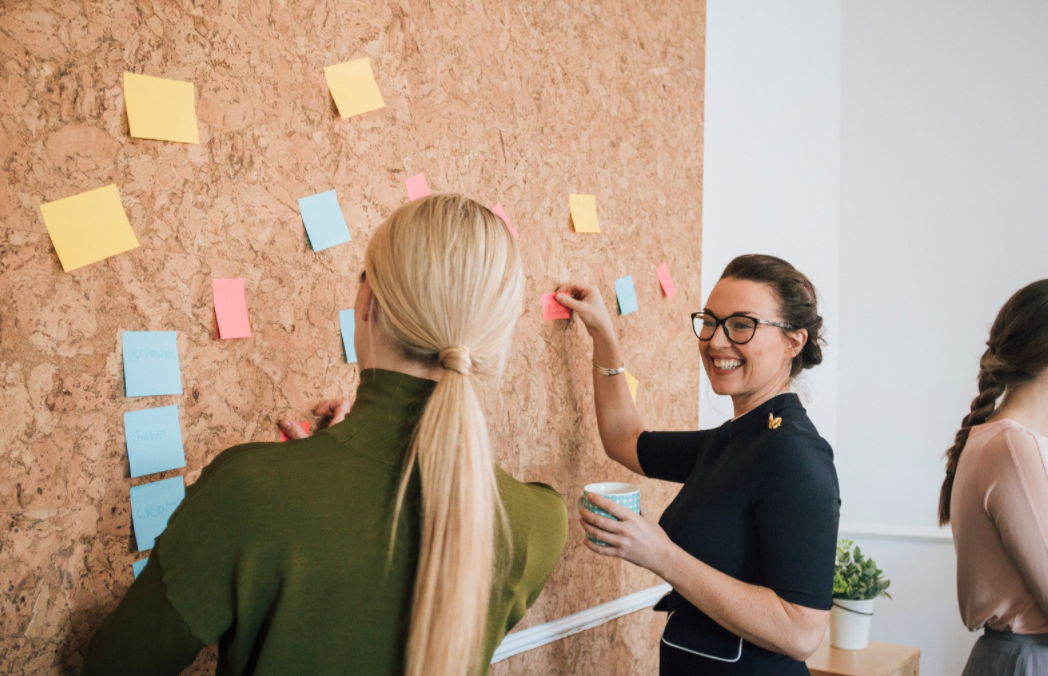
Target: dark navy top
x: 760, y: 503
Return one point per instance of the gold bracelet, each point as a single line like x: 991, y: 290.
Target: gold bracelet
x: 609, y: 372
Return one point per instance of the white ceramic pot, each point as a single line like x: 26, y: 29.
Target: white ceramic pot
x: 850, y: 624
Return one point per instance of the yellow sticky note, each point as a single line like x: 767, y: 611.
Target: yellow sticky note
x: 584, y: 213
x: 632, y: 382
x: 161, y: 109
x: 88, y: 227
x: 353, y: 87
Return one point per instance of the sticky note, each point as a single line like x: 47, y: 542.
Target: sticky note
x: 632, y: 382
x: 160, y: 109
x: 303, y: 425
x: 137, y: 566
x: 325, y: 224
x: 151, y: 507
x: 665, y: 281
x: 231, y: 308
x: 151, y: 363
x: 499, y: 211
x: 584, y: 213
x: 626, y: 294
x: 551, y: 309
x: 88, y: 227
x: 154, y: 440
x: 417, y: 187
x: 352, y: 85
x: 348, y: 321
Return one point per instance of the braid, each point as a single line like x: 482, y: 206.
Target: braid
x: 991, y: 387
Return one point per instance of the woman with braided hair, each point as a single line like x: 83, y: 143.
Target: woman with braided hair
x: 995, y: 495
x: 389, y: 542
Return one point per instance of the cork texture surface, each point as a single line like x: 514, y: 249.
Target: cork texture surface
x: 523, y: 102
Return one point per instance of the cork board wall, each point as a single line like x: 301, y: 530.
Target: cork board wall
x: 522, y: 102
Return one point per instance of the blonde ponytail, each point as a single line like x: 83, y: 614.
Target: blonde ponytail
x: 447, y: 280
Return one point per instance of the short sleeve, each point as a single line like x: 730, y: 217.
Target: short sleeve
x: 670, y: 456
x: 797, y: 506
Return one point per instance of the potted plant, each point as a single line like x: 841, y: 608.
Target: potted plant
x: 857, y: 582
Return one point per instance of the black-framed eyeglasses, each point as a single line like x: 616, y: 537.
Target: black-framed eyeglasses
x: 739, y: 328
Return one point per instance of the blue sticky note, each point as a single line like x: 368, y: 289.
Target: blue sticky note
x: 348, y: 321
x: 154, y: 440
x: 151, y: 507
x: 151, y: 363
x: 137, y: 566
x: 626, y: 294
x: 324, y: 221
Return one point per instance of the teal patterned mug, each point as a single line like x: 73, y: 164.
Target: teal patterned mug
x: 627, y: 495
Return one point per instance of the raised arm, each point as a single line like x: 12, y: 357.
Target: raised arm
x: 617, y: 417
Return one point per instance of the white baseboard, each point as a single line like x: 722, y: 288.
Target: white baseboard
x: 882, y: 531
x: 533, y: 637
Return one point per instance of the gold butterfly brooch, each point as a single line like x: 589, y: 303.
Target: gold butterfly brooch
x: 773, y: 422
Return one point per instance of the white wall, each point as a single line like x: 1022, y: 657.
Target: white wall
x: 926, y: 121
x: 771, y: 177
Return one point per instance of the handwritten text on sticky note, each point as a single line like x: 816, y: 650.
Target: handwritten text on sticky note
x: 151, y: 506
x: 161, y: 109
x: 154, y: 440
x: 551, y: 309
x: 151, y: 363
x: 626, y: 294
x: 231, y: 308
x: 88, y: 227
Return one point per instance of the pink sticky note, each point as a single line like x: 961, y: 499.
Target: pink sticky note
x: 668, y: 287
x: 417, y: 186
x: 303, y: 425
x: 231, y: 308
x: 501, y: 213
x: 551, y: 309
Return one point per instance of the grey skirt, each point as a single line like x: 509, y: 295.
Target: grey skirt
x: 1003, y: 654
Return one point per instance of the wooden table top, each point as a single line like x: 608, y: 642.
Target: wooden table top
x: 879, y: 659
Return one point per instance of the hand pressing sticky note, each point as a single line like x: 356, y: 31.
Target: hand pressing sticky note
x: 626, y: 294
x: 632, y: 383
x: 551, y: 309
x: 154, y: 440
x: 417, y: 187
x: 499, y: 211
x: 88, y: 227
x: 151, y: 506
x: 665, y: 281
x: 325, y: 224
x: 137, y: 566
x: 160, y: 109
x: 352, y: 85
x: 348, y: 322
x: 231, y: 308
x: 584, y: 213
x: 151, y: 363
x: 303, y: 425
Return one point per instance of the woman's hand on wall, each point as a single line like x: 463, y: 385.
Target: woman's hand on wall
x: 636, y: 538
x: 587, y: 303
x: 333, y: 411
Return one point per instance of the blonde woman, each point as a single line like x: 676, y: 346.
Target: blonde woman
x: 389, y: 542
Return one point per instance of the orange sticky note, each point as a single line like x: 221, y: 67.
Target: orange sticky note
x: 632, y: 383
x: 161, y: 109
x: 668, y: 287
x: 303, y: 425
x: 231, y: 308
x: 551, y: 309
x: 417, y: 186
x: 352, y: 85
x: 584, y: 213
x: 88, y: 227
x: 501, y: 213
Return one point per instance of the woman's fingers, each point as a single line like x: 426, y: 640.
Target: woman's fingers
x: 325, y: 408
x: 602, y: 535
x: 615, y: 509
x: 292, y: 430
x: 338, y: 414
x: 603, y: 551
x: 604, y: 523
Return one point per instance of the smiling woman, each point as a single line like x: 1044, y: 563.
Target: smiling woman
x: 749, y: 542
